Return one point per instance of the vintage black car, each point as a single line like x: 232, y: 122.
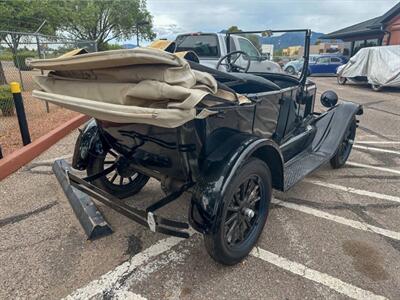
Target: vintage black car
x: 229, y: 161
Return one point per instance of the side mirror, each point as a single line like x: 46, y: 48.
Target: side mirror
x: 264, y: 57
x: 329, y: 99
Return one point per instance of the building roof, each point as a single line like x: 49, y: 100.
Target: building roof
x: 371, y: 26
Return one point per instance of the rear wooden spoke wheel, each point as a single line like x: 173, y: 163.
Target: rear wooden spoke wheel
x: 121, y: 175
x: 122, y: 182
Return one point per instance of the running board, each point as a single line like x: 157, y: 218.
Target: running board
x: 304, y: 164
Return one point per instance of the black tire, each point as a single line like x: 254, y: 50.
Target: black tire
x: 341, y: 80
x: 231, y: 243
x: 376, y: 87
x: 344, y: 149
x: 120, y: 186
x: 290, y: 70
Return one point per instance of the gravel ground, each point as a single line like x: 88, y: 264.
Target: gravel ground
x: 335, y: 235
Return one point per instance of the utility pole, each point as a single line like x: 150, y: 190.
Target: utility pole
x: 137, y: 35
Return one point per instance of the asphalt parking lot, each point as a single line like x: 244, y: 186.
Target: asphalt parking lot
x: 335, y: 235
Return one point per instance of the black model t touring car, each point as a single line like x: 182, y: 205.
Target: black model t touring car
x: 228, y: 161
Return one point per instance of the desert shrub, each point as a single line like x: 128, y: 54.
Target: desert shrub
x: 6, y: 101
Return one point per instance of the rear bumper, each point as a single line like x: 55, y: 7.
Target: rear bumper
x: 146, y: 217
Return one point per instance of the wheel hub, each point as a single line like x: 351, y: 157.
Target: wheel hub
x: 124, y: 169
x: 248, y: 213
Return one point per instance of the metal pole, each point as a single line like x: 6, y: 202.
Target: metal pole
x: 137, y: 34
x: 15, y: 53
x: 40, y: 27
x: 41, y: 71
x: 19, y: 107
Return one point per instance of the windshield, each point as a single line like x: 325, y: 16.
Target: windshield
x: 205, y: 45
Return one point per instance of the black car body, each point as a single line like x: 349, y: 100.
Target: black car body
x: 278, y: 136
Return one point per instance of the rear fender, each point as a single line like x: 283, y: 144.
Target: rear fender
x: 88, y: 143
x: 219, y: 171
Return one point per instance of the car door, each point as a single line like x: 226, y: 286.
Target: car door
x: 321, y: 66
x: 246, y: 46
x: 334, y: 64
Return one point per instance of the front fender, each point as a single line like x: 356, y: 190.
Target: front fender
x: 332, y: 126
x: 88, y: 143
x: 218, y: 172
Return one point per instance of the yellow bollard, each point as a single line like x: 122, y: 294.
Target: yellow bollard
x: 15, y: 87
x: 19, y: 107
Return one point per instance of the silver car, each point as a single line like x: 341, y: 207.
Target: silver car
x: 293, y: 67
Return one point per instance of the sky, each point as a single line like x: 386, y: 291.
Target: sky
x: 178, y: 16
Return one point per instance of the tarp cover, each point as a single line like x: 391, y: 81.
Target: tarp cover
x: 141, y: 85
x: 381, y: 65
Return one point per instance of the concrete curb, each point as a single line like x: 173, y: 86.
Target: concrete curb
x: 19, y: 158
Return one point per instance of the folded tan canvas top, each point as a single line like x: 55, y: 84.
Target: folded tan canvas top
x: 108, y: 59
x: 141, y: 85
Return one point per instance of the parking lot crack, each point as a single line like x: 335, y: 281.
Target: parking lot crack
x: 370, y: 131
x: 21, y: 217
x: 16, y: 247
x: 384, y: 111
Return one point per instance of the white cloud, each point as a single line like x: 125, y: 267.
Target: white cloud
x: 165, y: 26
x: 173, y: 16
x: 181, y: 16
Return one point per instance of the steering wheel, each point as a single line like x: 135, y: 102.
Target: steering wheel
x: 231, y: 65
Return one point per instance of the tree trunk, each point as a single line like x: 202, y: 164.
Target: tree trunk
x: 3, y: 79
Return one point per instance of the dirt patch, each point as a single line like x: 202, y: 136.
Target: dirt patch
x: 39, y: 122
x: 134, y: 245
x: 366, y: 259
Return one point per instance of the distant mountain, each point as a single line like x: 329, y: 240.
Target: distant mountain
x: 289, y: 39
x: 129, y: 46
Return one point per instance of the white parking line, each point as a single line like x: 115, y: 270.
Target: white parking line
x: 354, y: 164
x: 351, y: 223
x: 353, y: 190
x: 111, y: 280
x: 376, y: 149
x: 127, y: 295
x: 314, y: 275
x: 378, y: 142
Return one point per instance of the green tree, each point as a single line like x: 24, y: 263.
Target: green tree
x: 26, y: 16
x: 107, y: 20
x: 253, y: 38
x: 234, y: 29
x: 109, y: 46
x: 19, y: 16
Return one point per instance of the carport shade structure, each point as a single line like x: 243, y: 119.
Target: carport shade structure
x: 379, y: 31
